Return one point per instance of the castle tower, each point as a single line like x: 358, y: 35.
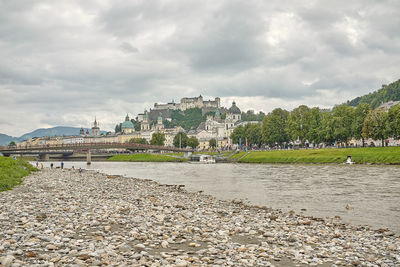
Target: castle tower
x: 95, y: 128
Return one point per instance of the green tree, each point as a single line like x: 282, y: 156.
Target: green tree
x: 193, y: 142
x: 253, y: 133
x: 238, y: 132
x: 157, y: 139
x: 251, y: 116
x: 360, y: 113
x: 375, y: 125
x: 138, y: 141
x: 212, y: 143
x: 297, y: 123
x: 342, y: 119
x: 118, y: 128
x: 394, y: 121
x: 274, y: 127
x: 327, y: 128
x: 12, y: 143
x: 180, y: 140
x: 314, y: 121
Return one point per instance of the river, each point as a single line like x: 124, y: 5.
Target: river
x: 372, y: 191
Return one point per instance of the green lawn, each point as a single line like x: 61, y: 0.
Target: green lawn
x: 374, y: 155
x: 12, y: 171
x: 146, y: 157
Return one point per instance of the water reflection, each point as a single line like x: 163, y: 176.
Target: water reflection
x: 323, y: 190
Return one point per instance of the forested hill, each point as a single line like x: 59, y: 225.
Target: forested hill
x: 387, y: 93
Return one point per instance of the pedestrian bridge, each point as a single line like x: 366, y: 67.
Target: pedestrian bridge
x: 67, y: 149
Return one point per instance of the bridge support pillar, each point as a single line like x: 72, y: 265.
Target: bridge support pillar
x: 88, y: 157
x: 44, y: 157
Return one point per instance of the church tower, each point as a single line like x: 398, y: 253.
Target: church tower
x: 145, y: 126
x: 95, y: 128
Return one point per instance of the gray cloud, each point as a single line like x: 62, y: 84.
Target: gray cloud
x: 64, y: 62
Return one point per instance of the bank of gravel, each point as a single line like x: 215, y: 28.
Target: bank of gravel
x: 64, y: 218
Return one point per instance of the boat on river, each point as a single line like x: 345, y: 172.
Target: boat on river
x: 202, y: 159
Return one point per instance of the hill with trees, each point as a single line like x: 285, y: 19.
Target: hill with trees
x: 387, y: 93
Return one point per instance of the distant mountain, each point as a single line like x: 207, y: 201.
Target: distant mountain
x: 387, y: 93
x: 6, y: 139
x: 55, y: 131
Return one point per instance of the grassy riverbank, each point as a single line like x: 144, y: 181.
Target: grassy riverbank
x: 146, y: 157
x: 373, y: 155
x: 12, y: 171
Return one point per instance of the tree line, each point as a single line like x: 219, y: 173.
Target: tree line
x: 181, y: 140
x: 315, y: 125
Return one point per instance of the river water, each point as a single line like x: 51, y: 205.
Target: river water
x: 373, y: 192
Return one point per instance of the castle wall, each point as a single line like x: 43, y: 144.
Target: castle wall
x: 172, y: 106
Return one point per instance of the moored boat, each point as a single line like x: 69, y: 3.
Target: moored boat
x: 202, y: 159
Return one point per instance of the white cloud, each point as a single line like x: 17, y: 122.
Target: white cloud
x: 64, y: 62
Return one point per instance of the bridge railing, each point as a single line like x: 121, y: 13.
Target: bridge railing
x: 91, y: 145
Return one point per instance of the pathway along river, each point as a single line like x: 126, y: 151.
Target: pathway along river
x: 373, y: 192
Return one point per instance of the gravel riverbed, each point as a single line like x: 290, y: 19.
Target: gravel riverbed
x: 64, y: 218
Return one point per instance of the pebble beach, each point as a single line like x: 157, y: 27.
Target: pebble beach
x: 66, y: 218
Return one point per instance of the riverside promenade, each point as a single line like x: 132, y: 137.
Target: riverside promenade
x: 64, y: 218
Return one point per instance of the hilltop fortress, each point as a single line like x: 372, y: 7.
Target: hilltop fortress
x: 190, y: 102
x: 186, y: 103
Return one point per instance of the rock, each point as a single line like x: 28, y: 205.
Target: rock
x: 107, y: 228
x: 164, y: 244
x: 180, y: 262
x: 7, y: 260
x: 124, y: 248
x: 51, y: 247
x: 30, y: 254
x: 305, y: 222
x: 140, y: 247
x: 241, y: 249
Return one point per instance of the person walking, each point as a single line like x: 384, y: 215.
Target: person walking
x: 51, y: 165
x: 62, y: 165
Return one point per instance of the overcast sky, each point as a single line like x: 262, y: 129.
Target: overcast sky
x: 65, y: 62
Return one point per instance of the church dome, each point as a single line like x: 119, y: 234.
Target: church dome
x: 127, y: 125
x: 234, y: 109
